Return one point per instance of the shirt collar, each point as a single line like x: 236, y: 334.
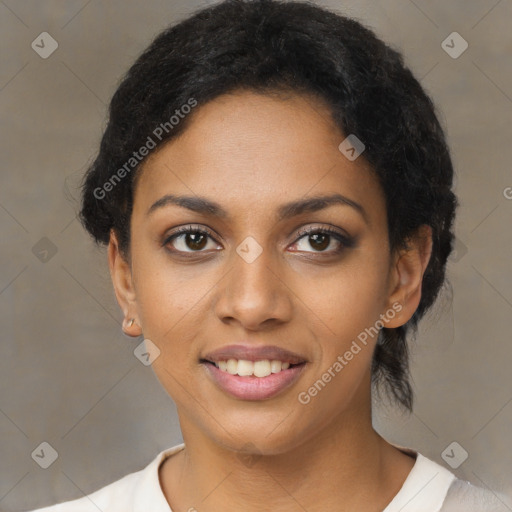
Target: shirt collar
x: 424, y: 488
x: 148, y: 494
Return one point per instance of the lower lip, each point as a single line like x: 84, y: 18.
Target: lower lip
x: 254, y: 388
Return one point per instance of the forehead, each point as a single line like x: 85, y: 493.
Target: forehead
x: 249, y: 148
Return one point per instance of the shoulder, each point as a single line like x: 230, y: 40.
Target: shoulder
x: 463, y: 495
x: 118, y: 492
x: 131, y: 493
x: 430, y: 486
x: 425, y: 487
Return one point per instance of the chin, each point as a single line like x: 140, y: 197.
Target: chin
x: 252, y: 434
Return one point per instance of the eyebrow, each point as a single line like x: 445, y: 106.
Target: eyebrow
x: 205, y: 206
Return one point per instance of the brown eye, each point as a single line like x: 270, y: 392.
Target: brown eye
x: 195, y: 241
x: 319, y: 241
x: 188, y: 240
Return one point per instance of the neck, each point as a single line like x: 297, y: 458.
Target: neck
x: 347, y: 466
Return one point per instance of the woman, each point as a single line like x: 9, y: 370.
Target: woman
x: 275, y: 192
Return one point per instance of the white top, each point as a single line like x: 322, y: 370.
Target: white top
x: 429, y: 487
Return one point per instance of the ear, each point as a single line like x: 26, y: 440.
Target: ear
x: 121, y: 274
x: 406, y: 275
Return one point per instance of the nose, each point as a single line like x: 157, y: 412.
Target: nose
x: 254, y: 293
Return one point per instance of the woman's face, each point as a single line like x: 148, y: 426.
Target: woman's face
x: 257, y: 287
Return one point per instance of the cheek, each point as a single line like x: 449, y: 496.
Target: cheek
x: 349, y: 305
x: 170, y: 303
x: 348, y: 299
x: 170, y: 310
x: 170, y: 296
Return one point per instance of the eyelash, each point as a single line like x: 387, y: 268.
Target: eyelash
x: 344, y: 241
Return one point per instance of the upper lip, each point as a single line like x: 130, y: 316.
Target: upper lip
x: 254, y: 353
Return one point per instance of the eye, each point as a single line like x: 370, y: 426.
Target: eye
x: 189, y: 239
x: 320, y: 239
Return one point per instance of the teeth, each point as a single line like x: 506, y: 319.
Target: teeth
x: 246, y: 368
x: 275, y: 366
x: 262, y: 368
x: 232, y: 366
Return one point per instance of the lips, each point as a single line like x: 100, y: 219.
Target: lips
x: 254, y: 353
x: 245, y: 386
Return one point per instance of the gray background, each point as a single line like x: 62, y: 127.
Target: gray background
x: 68, y: 374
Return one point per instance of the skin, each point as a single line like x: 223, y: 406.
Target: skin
x: 250, y: 153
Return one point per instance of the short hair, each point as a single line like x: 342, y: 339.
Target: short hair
x: 269, y: 46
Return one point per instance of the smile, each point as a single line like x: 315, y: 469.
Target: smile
x: 246, y: 368
x: 258, y: 380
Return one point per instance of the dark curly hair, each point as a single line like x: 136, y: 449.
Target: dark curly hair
x: 268, y: 46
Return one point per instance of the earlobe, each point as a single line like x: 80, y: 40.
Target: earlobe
x: 131, y: 328
x: 408, y: 269
x: 121, y: 274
